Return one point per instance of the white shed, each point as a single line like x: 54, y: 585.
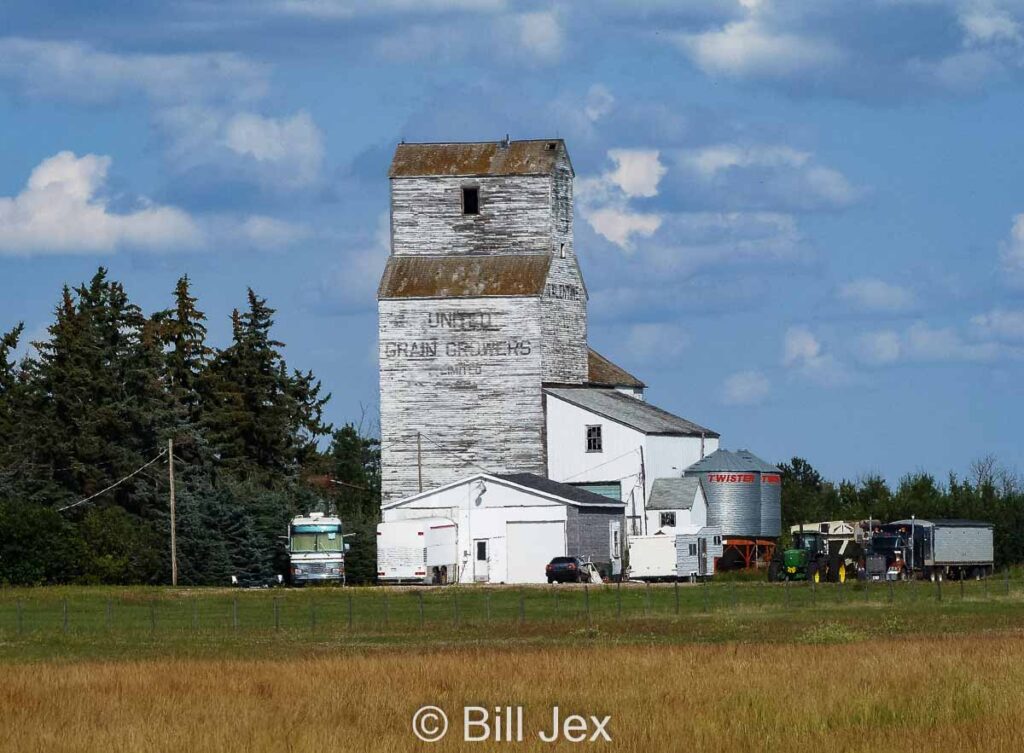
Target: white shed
x: 676, y: 503
x: 510, y: 526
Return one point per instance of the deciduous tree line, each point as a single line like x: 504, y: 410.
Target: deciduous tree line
x: 99, y: 397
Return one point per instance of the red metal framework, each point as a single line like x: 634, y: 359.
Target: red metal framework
x: 750, y: 552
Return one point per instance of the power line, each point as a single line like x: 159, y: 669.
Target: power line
x: 26, y: 464
x: 137, y: 471
x: 453, y: 453
x: 601, y: 465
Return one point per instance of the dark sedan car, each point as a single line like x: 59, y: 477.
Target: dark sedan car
x: 565, y: 570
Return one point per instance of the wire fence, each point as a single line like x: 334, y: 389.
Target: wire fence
x: 25, y: 613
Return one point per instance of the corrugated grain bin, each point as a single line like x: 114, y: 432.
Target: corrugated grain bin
x: 740, y: 503
x: 771, y: 505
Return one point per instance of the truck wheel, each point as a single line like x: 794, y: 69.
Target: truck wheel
x: 834, y: 563
x: 774, y: 570
x: 814, y: 572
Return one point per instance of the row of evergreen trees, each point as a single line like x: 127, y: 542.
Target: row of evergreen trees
x: 991, y: 494
x: 99, y: 398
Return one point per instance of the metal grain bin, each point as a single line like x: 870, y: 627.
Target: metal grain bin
x: 739, y: 501
x: 771, y: 505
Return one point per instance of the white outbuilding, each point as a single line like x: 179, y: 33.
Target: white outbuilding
x: 506, y: 529
x: 676, y: 504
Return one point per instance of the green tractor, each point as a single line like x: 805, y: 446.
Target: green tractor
x: 809, y: 559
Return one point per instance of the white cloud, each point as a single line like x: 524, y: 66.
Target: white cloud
x: 873, y: 295
x: 292, y: 146
x: 745, y: 388
x: 879, y: 347
x: 1011, y: 252
x: 655, y: 340
x: 351, y: 284
x: 963, y: 72
x: 599, y: 103
x: 984, y: 24
x: 345, y: 9
x: 747, y: 48
x: 269, y: 232
x: 203, y: 103
x: 637, y: 171
x: 697, y: 240
x: 924, y: 343
x: 619, y: 225
x: 540, y: 35
x: 278, y: 153
x: 800, y: 346
x: 711, y: 160
x: 533, y: 39
x: 79, y: 72
x: 803, y: 352
x: 1000, y: 324
x: 63, y: 209
x: 768, y: 175
x: 604, y: 200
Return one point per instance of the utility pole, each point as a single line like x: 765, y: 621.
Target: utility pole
x: 419, y: 458
x: 643, y: 489
x: 174, y: 532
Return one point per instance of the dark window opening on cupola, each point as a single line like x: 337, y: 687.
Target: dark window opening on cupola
x: 470, y: 200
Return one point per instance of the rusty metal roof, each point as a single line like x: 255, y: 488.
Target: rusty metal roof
x: 601, y: 371
x: 537, y: 157
x: 466, y: 276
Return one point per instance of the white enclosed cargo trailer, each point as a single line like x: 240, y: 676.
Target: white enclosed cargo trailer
x: 691, y: 553
x: 417, y: 550
x: 652, y: 557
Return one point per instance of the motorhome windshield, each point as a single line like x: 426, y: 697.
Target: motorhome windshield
x: 318, y: 538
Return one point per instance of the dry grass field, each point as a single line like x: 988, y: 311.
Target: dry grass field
x: 825, y: 691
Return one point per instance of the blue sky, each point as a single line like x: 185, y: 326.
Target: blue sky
x: 801, y: 222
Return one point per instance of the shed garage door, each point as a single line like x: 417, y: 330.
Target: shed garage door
x: 530, y: 546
